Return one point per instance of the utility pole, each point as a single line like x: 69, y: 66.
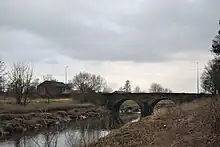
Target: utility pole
x: 197, y: 63
x: 66, y: 77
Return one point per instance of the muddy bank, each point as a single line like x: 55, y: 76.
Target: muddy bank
x: 193, y: 124
x: 11, y: 123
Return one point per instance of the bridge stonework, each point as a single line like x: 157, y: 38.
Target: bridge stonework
x: 146, y: 101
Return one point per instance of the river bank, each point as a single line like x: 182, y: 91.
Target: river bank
x: 191, y: 124
x: 16, y: 119
x: 70, y: 134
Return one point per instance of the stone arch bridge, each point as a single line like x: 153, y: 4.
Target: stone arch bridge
x: 146, y: 101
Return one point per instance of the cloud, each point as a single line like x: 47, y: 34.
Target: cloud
x: 51, y: 61
x: 22, y: 45
x: 107, y: 30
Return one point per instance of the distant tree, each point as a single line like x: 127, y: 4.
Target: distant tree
x: 85, y: 81
x: 216, y: 44
x: 20, y: 78
x: 35, y: 82
x: 121, y: 89
x: 107, y: 89
x: 127, y: 86
x: 167, y: 90
x: 137, y: 89
x: 157, y: 88
x: 49, y: 77
x: 2, y: 76
x: 210, y: 78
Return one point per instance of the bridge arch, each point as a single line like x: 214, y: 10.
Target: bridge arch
x: 147, y: 107
x: 120, y: 102
x: 155, y: 102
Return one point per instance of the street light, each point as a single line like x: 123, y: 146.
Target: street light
x: 197, y: 63
x: 66, y: 77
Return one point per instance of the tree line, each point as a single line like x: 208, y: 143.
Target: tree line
x: 20, y: 82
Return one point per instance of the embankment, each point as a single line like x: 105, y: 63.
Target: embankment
x: 18, y: 119
x: 193, y: 124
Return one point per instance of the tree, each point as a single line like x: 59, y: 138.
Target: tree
x: 210, y: 79
x: 127, y: 86
x: 120, y: 89
x: 137, y: 89
x: 167, y: 90
x: 48, y: 77
x: 86, y: 82
x: 157, y: 88
x: 210, y: 76
x: 35, y: 82
x: 34, y: 85
x: 20, y: 78
x: 107, y: 89
x: 216, y: 44
x: 2, y: 76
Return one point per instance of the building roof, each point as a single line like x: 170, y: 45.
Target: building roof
x: 55, y: 83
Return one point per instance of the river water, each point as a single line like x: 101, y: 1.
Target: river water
x: 74, y: 134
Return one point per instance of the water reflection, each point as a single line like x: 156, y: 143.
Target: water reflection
x: 75, y: 134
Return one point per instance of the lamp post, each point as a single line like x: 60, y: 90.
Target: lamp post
x: 66, y: 77
x: 197, y: 63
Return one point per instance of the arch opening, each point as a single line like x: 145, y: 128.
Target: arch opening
x: 162, y: 107
x: 129, y: 110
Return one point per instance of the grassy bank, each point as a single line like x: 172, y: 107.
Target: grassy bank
x: 193, y: 124
x: 36, y: 101
x: 13, y: 108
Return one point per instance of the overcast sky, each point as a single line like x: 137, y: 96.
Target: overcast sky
x: 144, y: 41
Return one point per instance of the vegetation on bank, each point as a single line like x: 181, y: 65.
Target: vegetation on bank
x: 19, y: 119
x: 193, y: 124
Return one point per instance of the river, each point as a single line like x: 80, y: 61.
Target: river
x: 73, y: 134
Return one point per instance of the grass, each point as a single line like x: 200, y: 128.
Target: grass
x: 193, y: 124
x: 36, y: 107
x: 62, y: 100
x: 36, y: 101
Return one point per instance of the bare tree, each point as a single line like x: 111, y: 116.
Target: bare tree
x: 107, y: 89
x: 87, y: 81
x: 157, y: 88
x: 20, y: 78
x: 49, y: 77
x: 120, y: 89
x: 167, y: 90
x: 2, y: 76
x: 137, y: 89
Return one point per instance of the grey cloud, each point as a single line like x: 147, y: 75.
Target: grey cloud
x: 51, y: 61
x: 140, y: 31
x: 21, y: 45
